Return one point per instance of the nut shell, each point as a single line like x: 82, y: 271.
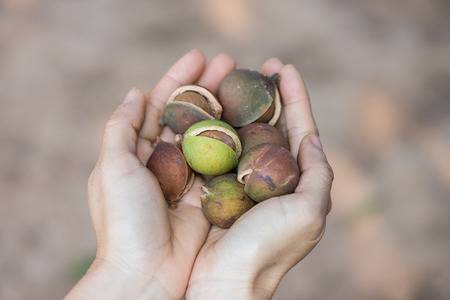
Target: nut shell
x: 211, y: 155
x: 267, y: 171
x: 248, y: 96
x: 175, y: 177
x: 255, y: 134
x: 206, y: 126
x: 190, y: 104
x: 224, y: 200
x: 219, y: 135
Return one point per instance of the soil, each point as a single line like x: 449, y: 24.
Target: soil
x: 378, y: 74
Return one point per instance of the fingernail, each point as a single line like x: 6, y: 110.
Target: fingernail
x: 131, y: 95
x: 275, y: 61
x: 194, y: 50
x: 315, y: 140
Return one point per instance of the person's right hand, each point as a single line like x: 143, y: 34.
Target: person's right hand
x: 144, y: 249
x: 248, y: 260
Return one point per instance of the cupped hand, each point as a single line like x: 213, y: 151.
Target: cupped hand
x: 248, y: 260
x: 144, y: 249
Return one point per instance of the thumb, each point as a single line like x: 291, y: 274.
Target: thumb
x: 317, y: 175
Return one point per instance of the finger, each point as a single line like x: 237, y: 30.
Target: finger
x: 272, y: 66
x: 185, y: 71
x: 167, y: 135
x: 299, y: 118
x: 216, y: 70
x: 330, y: 206
x: 190, y: 227
x: 144, y: 149
x: 122, y: 128
x: 317, y: 175
x: 191, y: 197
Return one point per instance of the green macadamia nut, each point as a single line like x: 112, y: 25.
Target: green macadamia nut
x: 211, y: 147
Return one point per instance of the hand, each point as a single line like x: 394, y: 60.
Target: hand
x: 248, y: 260
x: 144, y: 249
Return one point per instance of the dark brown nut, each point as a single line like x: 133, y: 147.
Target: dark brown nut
x: 268, y: 171
x: 175, y: 177
x: 190, y: 104
x: 255, y: 134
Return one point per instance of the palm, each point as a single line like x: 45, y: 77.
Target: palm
x: 268, y: 225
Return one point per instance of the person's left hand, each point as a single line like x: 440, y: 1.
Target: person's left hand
x: 248, y: 260
x: 144, y: 249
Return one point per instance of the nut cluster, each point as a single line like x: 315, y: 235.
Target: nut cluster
x: 231, y: 141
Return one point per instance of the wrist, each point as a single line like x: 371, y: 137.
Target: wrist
x: 235, y: 285
x: 226, y: 290
x: 106, y: 280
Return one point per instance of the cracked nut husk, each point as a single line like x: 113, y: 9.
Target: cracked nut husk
x: 249, y: 96
x: 211, y: 147
x: 190, y: 104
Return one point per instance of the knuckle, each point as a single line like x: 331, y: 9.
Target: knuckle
x: 315, y: 226
x: 325, y: 172
x: 307, y: 215
x: 106, y: 166
x: 313, y: 219
x: 298, y: 132
x: 94, y: 177
x: 91, y: 179
x: 117, y: 166
x: 113, y: 122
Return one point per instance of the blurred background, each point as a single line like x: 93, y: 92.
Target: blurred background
x: 379, y: 76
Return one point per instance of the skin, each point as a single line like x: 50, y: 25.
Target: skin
x: 147, y: 251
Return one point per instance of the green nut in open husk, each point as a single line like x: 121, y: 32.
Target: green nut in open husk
x: 188, y: 105
x: 255, y: 134
x: 168, y: 165
x: 249, y: 96
x: 267, y: 171
x: 211, y: 147
x: 224, y: 200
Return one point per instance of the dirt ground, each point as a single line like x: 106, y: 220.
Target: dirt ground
x: 379, y: 76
